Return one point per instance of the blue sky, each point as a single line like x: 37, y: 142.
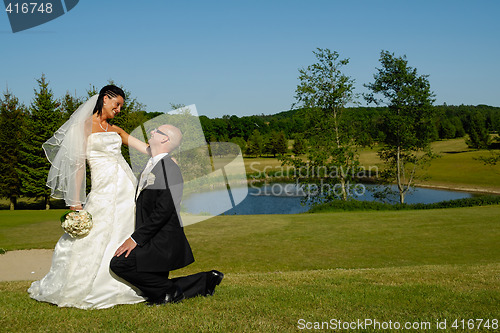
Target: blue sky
x: 242, y: 57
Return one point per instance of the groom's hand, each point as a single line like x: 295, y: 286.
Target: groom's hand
x: 126, y: 247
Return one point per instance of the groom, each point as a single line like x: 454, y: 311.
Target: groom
x: 158, y: 244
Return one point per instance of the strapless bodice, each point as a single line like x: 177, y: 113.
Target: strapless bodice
x: 104, y: 157
x: 103, y: 143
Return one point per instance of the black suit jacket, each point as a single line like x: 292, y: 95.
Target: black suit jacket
x: 162, y: 244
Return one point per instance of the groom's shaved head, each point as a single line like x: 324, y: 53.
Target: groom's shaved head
x: 174, y: 134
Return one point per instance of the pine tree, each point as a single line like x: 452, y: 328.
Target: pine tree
x: 11, y: 123
x: 69, y: 104
x: 478, y: 134
x: 299, y: 145
x: 281, y: 144
x: 255, y: 144
x: 277, y: 144
x: 44, y: 119
x: 268, y: 144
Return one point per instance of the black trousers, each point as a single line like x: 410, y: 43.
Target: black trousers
x: 156, y: 285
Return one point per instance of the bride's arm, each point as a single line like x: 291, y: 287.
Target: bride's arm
x: 80, y: 173
x: 135, y: 143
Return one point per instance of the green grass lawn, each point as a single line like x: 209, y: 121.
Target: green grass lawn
x: 30, y: 229
x: 463, y: 170
x: 456, y: 167
x: 284, y: 272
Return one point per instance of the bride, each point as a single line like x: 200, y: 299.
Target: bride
x: 80, y: 276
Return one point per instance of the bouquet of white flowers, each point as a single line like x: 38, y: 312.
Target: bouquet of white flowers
x: 77, y: 223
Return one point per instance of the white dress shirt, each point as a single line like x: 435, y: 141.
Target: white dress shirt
x: 147, y: 170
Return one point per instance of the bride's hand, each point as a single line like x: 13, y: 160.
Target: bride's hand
x: 75, y: 208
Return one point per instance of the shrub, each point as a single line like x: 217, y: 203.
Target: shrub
x: 354, y: 205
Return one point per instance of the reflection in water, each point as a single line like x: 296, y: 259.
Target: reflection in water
x: 286, y: 198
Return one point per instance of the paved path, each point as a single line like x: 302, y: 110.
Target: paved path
x: 24, y: 265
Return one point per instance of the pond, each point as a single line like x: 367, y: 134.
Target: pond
x: 286, y: 198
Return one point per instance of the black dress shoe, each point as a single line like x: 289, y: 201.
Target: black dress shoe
x: 156, y: 303
x: 175, y: 297
x: 214, y: 278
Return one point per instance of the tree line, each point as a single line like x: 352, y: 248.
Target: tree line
x: 449, y: 122
x: 324, y: 131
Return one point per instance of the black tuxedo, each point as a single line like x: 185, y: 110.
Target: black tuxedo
x: 161, y: 243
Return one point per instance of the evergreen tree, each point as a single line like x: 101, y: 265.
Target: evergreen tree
x: 478, y: 134
x: 69, y: 104
x: 447, y: 130
x: 43, y: 120
x: 11, y: 124
x: 279, y: 143
x: 267, y: 144
x: 213, y: 138
x: 299, y: 145
x: 255, y: 144
x: 459, y: 128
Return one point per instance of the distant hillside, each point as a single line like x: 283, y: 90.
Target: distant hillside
x: 450, y: 122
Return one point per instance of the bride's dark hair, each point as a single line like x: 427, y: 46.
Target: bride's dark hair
x: 110, y: 91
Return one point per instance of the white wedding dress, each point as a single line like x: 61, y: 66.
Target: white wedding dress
x: 80, y: 276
